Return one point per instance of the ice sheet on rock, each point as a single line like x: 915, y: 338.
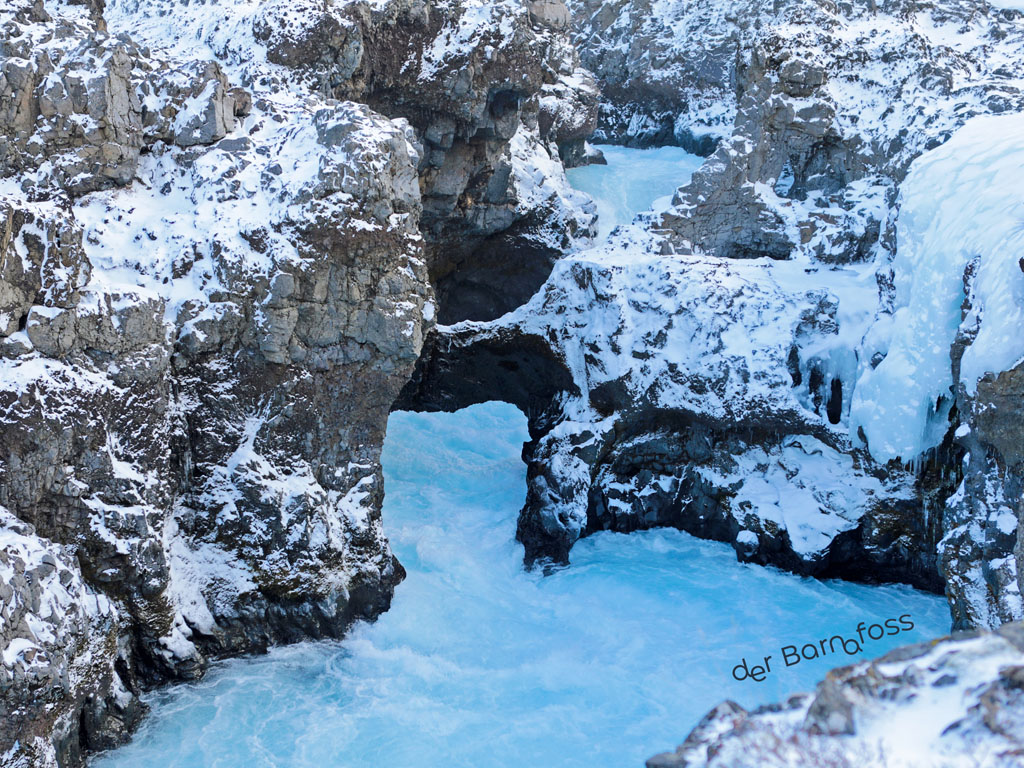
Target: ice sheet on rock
x: 961, y: 202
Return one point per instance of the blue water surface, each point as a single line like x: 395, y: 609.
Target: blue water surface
x: 481, y: 664
x: 634, y: 180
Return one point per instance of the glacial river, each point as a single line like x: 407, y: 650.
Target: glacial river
x: 480, y: 664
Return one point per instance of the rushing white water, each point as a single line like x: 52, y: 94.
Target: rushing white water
x: 634, y: 180
x: 479, y: 663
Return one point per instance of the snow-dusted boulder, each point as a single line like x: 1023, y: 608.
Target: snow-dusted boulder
x: 956, y: 701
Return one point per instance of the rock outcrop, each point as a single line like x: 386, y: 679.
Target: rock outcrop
x: 983, y: 548
x: 77, y: 106
x: 64, y: 645
x: 957, y: 700
x: 215, y: 279
x: 470, y: 77
x: 682, y: 411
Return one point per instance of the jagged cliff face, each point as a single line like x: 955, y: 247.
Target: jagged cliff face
x: 229, y: 232
x: 218, y: 231
x: 467, y: 82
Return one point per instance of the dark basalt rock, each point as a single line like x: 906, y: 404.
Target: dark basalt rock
x: 488, y: 253
x: 500, y: 274
x: 121, y: 445
x: 657, y: 469
x: 454, y: 372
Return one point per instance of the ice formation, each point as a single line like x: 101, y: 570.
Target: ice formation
x: 961, y: 207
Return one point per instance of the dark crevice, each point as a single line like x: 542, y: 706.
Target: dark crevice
x: 834, y: 407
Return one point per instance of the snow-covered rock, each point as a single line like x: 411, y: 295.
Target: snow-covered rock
x: 680, y: 406
x: 956, y: 701
x: 728, y: 355
x: 218, y: 228
x: 60, y: 642
x: 77, y: 107
x: 221, y: 230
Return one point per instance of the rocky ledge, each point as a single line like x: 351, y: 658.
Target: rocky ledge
x: 955, y: 701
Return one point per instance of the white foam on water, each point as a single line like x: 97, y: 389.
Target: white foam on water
x: 480, y: 663
x: 634, y: 180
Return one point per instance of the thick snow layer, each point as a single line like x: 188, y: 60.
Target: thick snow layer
x: 279, y: 161
x: 961, y: 202
x: 806, y: 488
x: 662, y: 290
x: 540, y: 182
x: 479, y: 663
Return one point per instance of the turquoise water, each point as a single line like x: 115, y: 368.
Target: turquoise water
x: 481, y: 664
x: 634, y: 180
